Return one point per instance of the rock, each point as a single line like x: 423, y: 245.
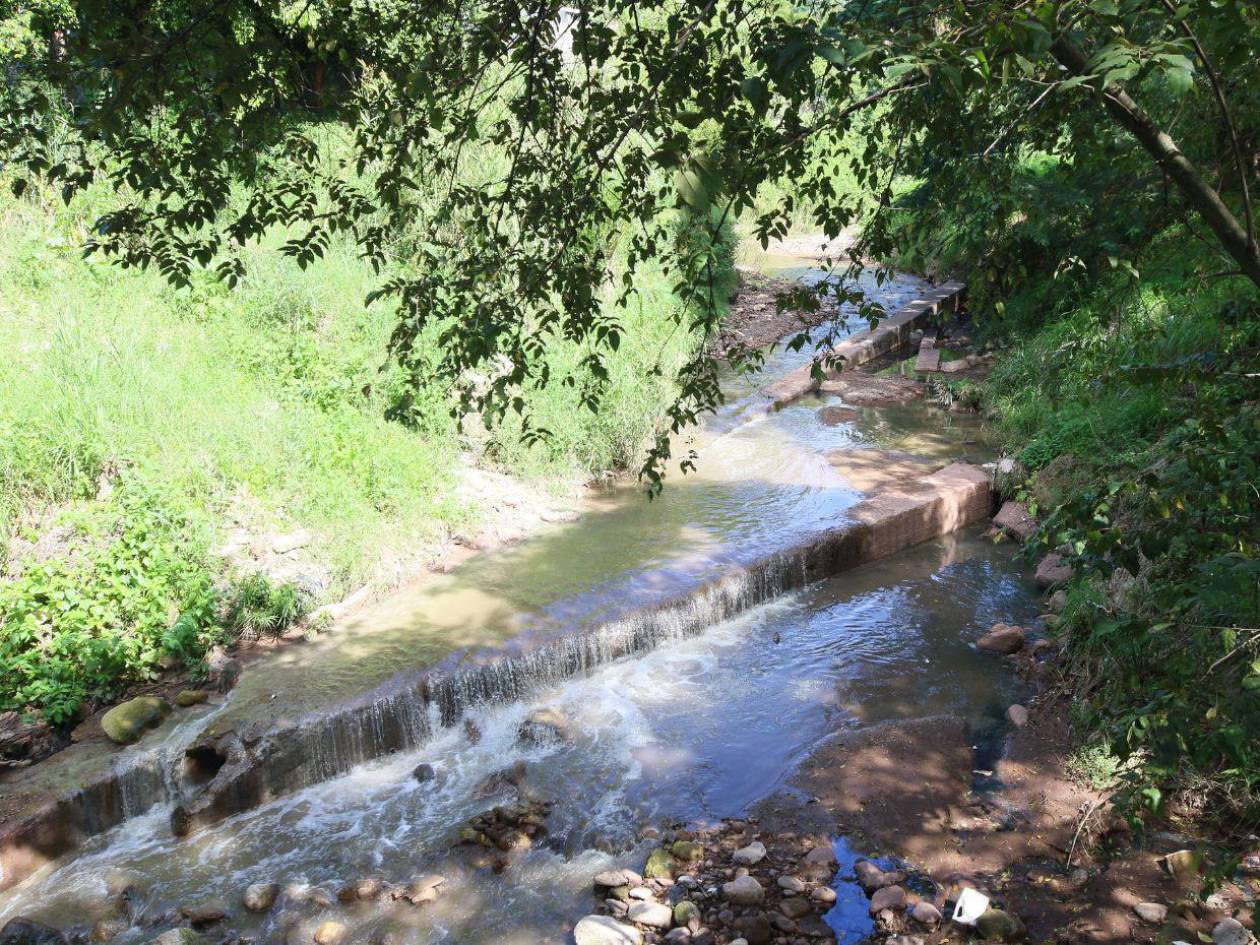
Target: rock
x: 1014, y: 520
x: 685, y: 910
x: 820, y: 856
x: 24, y: 739
x: 791, y: 884
x: 222, y: 670
x: 657, y: 915
x: 754, y: 928
x: 1251, y: 863
x: 422, y: 890
x: 1002, y: 638
x: 617, y: 908
x: 824, y: 894
x: 1183, y: 864
x: 260, y: 897
x: 21, y: 931
x: 1017, y: 715
x: 204, y: 913
x: 743, y: 891
x: 678, y: 936
x: 1152, y: 912
x: 330, y: 933
x: 871, y: 878
x: 180, y: 937
x: 687, y: 850
x: 423, y: 772
x: 888, y: 897
x: 1000, y: 926
x: 545, y: 725
x: 926, y: 914
x: 660, y: 865
x: 126, y: 722
x: 612, y: 878
x: 783, y: 923
x: 1052, y: 571
x: 794, y: 907
x: 640, y: 893
x: 363, y: 890
x: 603, y: 930
x: 750, y: 855
x: 106, y: 930
x: 905, y: 940
x: 291, y: 542
x: 191, y: 697
x: 834, y: 416
x: 1225, y: 932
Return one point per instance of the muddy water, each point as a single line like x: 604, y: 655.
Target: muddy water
x: 698, y: 729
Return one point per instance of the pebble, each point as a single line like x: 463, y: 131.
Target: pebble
x: 750, y: 855
x: 794, y: 907
x: 1017, y: 715
x: 926, y: 914
x: 870, y: 877
x: 791, y: 884
x: 824, y: 894
x: 612, y: 878
x: 821, y: 856
x: 888, y: 897
x: 654, y: 914
x: 640, y: 893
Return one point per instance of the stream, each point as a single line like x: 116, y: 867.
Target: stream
x: 698, y: 729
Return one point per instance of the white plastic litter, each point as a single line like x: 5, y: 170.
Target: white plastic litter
x: 971, y: 905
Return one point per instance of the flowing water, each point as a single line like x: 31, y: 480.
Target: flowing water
x: 701, y: 727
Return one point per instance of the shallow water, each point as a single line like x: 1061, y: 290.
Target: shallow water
x: 696, y: 730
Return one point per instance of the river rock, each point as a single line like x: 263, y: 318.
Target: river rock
x: 822, y: 856
x: 330, y: 933
x: 1152, y: 912
x: 660, y: 865
x: 1230, y: 932
x: 685, y: 911
x: 657, y: 915
x: 127, y: 721
x: 613, y: 878
x: 791, y: 884
x: 1013, y: 518
x: 23, y: 931
x: 106, y: 930
x: 1017, y: 715
x: 1002, y: 638
x: 833, y: 416
x: 422, y: 890
x: 641, y: 893
x: 603, y: 930
x: 892, y: 898
x: 755, y: 929
x: 871, y: 877
x: 203, y: 913
x: 1000, y: 926
x: 687, y: 850
x: 824, y: 894
x: 191, y: 697
x: 222, y: 669
x: 423, y: 772
x: 926, y: 914
x: 750, y: 855
x: 794, y: 907
x: 260, y: 897
x: 544, y: 725
x: 363, y: 890
x: 180, y: 937
x: 905, y: 940
x: 1052, y: 571
x: 677, y: 936
x: 743, y: 891
x: 24, y: 739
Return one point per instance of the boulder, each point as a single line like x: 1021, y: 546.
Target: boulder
x: 1014, y: 520
x: 191, y: 697
x: 1230, y: 932
x: 999, y: 926
x: 892, y: 898
x: 545, y: 725
x: 660, y: 865
x: 1017, y: 715
x: 1052, y: 571
x: 926, y: 914
x: 743, y: 891
x: 127, y: 721
x: 1002, y: 638
x: 655, y: 915
x: 330, y: 933
x: 260, y: 897
x: 750, y: 855
x: 21, y: 931
x: 603, y: 930
x: 1153, y: 912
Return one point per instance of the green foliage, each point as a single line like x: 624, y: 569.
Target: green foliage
x: 138, y: 588
x: 258, y: 608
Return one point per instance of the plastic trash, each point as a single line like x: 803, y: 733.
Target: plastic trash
x: 970, y: 906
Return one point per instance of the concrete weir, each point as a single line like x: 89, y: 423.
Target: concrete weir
x: 214, y: 778
x: 869, y: 344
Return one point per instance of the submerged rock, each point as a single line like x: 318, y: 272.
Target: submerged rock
x: 180, y: 937
x: 423, y: 772
x: 422, y: 890
x: 260, y: 897
x: 204, y: 913
x: 544, y: 725
x: 330, y: 933
x: 1002, y: 638
x: 126, y: 722
x: 604, y: 930
x: 22, y: 931
x: 106, y: 930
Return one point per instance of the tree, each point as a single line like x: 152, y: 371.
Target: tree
x: 487, y: 170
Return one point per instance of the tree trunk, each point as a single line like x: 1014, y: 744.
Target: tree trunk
x: 1233, y: 236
